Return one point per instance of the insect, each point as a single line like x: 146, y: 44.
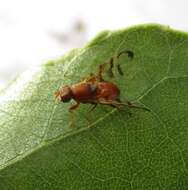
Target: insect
x: 95, y: 90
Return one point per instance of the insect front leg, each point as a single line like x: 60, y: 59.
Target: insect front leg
x: 71, y: 110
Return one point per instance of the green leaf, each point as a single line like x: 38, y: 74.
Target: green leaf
x: 119, y: 150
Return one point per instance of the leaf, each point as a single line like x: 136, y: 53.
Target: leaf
x: 141, y: 150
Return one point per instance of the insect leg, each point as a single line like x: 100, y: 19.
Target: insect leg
x: 71, y: 109
x: 131, y: 105
x: 109, y: 103
x: 119, y: 104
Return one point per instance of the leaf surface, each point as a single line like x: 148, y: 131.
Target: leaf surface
x: 119, y: 150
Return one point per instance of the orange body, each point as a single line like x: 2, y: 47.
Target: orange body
x: 87, y: 92
x: 95, y: 90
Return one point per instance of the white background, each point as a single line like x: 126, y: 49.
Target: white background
x: 34, y: 31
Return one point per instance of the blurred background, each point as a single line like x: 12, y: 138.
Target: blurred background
x: 34, y: 31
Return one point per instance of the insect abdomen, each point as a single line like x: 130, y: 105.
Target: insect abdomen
x: 83, y: 91
x: 108, y: 91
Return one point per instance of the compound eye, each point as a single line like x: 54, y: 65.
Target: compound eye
x: 66, y: 94
x: 66, y: 98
